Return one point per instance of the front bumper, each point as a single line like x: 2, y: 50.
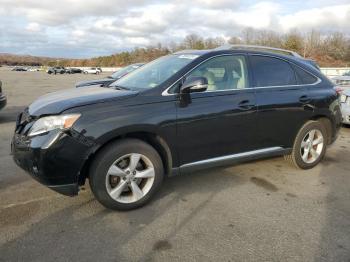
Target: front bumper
x: 3, y: 101
x: 54, y: 159
x: 345, y: 109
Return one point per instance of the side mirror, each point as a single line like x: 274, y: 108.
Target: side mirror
x: 194, y: 84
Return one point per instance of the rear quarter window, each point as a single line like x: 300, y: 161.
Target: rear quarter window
x: 303, y: 77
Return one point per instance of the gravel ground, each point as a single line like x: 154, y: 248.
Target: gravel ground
x: 260, y: 211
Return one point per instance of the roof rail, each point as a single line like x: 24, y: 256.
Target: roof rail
x: 259, y: 48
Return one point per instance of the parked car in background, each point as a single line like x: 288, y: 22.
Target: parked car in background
x: 182, y: 112
x: 2, y: 97
x: 345, y: 106
x: 33, y: 69
x: 92, y: 70
x: 110, y: 79
x: 19, y: 69
x: 342, y: 81
x: 56, y: 70
x: 73, y: 71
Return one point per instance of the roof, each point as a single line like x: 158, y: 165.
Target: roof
x: 256, y: 48
x: 259, y: 48
x: 193, y: 51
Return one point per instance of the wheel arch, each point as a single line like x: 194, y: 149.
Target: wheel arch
x: 152, y: 138
x: 327, y: 123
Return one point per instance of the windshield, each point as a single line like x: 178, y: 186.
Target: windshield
x: 156, y: 72
x: 124, y: 71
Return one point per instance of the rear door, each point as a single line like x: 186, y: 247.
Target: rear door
x: 283, y: 104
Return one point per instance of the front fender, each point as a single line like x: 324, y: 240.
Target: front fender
x: 108, y: 121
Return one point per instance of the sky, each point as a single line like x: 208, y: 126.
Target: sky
x: 89, y: 28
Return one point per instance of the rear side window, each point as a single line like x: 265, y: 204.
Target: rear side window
x: 269, y: 71
x: 303, y: 77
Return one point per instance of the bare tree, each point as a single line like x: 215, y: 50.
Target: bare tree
x: 193, y: 41
x: 235, y: 40
x: 293, y: 41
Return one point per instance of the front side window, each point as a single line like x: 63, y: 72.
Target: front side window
x: 224, y: 73
x: 269, y: 71
x: 156, y: 72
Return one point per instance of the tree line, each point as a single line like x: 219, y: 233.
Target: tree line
x: 328, y: 50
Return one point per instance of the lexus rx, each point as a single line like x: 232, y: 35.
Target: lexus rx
x: 181, y: 112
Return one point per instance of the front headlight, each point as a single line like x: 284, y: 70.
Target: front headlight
x: 48, y: 123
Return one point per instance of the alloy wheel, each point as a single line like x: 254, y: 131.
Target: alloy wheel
x: 130, y: 178
x: 312, y: 146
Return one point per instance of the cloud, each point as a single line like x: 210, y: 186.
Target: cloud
x: 327, y: 18
x: 65, y: 11
x: 33, y: 27
x: 85, y: 28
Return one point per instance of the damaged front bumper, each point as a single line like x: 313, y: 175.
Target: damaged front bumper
x: 55, y: 159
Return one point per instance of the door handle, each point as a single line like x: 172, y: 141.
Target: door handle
x: 245, y: 105
x: 304, y: 99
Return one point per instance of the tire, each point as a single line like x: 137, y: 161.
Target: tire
x: 308, y: 153
x: 118, y: 190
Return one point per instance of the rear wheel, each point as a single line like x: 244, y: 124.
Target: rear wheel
x: 309, y: 146
x: 126, y: 174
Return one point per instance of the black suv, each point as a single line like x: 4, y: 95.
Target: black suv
x: 179, y: 113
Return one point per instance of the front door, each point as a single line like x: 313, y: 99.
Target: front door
x: 222, y: 120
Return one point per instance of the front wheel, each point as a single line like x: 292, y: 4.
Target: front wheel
x: 309, y: 146
x: 126, y: 174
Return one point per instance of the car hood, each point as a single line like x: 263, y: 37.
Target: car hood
x: 55, y: 103
x: 94, y: 82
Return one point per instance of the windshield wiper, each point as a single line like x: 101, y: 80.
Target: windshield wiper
x: 120, y: 88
